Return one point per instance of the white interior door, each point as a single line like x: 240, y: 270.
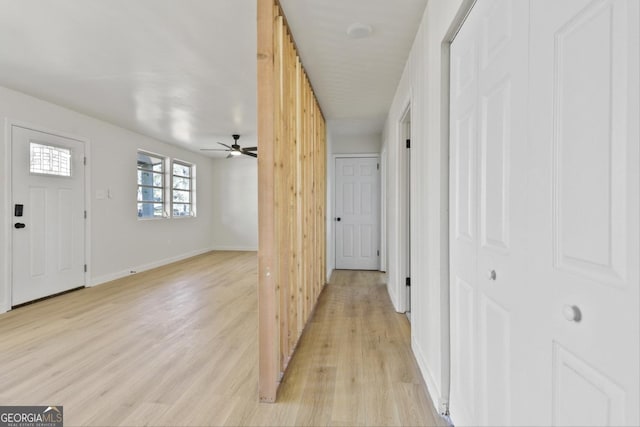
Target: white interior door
x: 545, y: 236
x: 48, y: 235
x: 585, y: 174
x: 357, y: 213
x: 493, y: 341
x: 510, y: 344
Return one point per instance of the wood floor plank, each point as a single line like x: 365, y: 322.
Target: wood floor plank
x: 178, y: 346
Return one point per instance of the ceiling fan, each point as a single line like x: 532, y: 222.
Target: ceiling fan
x: 234, y: 149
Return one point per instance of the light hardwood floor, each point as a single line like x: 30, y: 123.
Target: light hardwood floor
x: 178, y: 346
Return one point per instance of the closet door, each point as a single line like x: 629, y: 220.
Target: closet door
x: 463, y: 223
x: 584, y: 203
x: 495, y: 336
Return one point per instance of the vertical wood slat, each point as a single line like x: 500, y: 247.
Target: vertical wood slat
x: 280, y: 175
x: 299, y: 199
x: 292, y: 193
x: 267, y: 304
x: 292, y: 326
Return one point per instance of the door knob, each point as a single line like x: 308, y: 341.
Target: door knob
x: 572, y: 313
x: 19, y: 225
x: 338, y: 219
x: 492, y: 275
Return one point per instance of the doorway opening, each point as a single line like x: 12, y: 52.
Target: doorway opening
x: 405, y: 203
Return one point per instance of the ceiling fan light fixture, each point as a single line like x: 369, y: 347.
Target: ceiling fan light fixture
x: 235, y: 149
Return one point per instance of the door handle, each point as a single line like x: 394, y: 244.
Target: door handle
x: 19, y: 225
x: 572, y: 313
x: 338, y: 219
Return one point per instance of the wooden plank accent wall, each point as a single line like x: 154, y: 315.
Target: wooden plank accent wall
x: 291, y: 201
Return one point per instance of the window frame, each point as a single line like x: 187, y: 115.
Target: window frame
x: 192, y: 188
x: 163, y: 187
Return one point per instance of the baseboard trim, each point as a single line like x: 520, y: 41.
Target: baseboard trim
x: 96, y: 281
x: 235, y: 248
x: 432, y: 389
x: 392, y: 295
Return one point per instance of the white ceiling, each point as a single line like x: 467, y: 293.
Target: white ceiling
x: 185, y: 71
x: 354, y: 79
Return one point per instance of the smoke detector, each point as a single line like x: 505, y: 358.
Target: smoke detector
x: 359, y: 31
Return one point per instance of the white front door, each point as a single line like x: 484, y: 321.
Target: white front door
x: 357, y: 213
x: 48, y: 214
x: 585, y: 159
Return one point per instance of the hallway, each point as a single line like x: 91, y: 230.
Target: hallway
x: 178, y: 346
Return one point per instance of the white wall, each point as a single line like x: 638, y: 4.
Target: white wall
x: 235, y: 210
x: 356, y: 144
x: 119, y: 241
x: 422, y: 86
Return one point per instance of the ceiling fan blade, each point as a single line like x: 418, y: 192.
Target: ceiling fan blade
x: 224, y: 145
x: 212, y: 149
x: 246, y: 153
x: 230, y: 156
x: 250, y: 148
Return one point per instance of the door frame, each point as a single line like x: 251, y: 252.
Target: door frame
x: 8, y: 244
x: 334, y: 157
x: 404, y: 131
x: 384, y: 236
x: 445, y: 161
